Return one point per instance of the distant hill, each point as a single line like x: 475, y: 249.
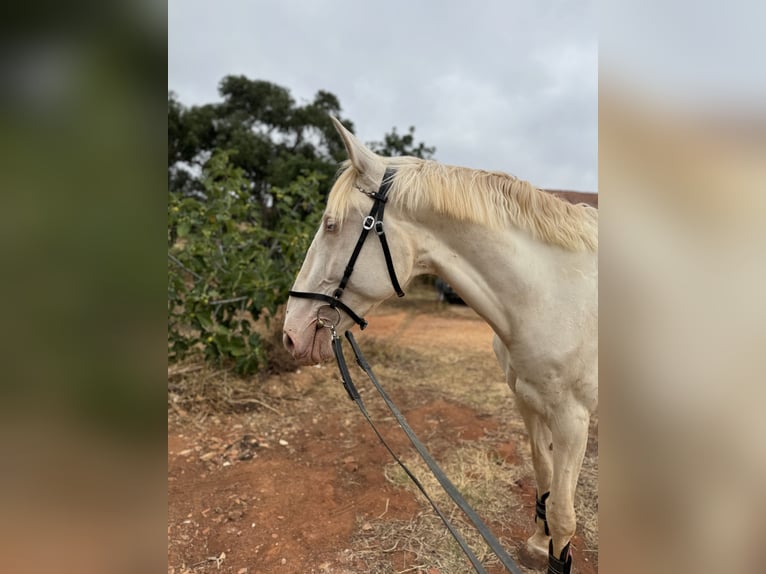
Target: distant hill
x: 576, y: 196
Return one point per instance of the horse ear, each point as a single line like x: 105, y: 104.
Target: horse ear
x: 362, y: 158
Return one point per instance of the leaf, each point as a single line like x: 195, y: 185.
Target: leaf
x: 255, y: 340
x: 204, y: 322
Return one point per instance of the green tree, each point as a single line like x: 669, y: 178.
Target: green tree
x: 273, y: 140
x: 394, y: 144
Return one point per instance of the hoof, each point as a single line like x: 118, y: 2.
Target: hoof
x: 538, y: 544
x: 530, y: 557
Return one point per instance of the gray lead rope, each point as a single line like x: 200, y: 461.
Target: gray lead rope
x: 348, y: 384
x: 446, y: 484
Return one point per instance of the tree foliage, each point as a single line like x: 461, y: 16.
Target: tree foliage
x: 273, y: 139
x: 394, y: 144
x: 225, y: 268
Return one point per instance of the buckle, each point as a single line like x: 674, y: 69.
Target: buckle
x: 379, y: 227
x: 368, y: 223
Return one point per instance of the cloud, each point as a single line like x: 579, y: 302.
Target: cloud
x: 505, y: 85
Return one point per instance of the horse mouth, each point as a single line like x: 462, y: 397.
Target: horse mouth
x: 310, y: 352
x: 321, y: 349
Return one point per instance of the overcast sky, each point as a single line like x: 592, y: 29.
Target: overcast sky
x: 507, y: 85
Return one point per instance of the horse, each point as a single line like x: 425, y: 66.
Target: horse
x: 523, y: 259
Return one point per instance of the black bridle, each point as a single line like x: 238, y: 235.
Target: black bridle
x: 373, y: 221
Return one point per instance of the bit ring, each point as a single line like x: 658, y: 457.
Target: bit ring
x: 324, y: 322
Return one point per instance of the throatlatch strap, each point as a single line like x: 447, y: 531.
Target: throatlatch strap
x: 562, y: 564
x: 540, y: 511
x: 389, y: 260
x: 387, y: 178
x: 446, y: 484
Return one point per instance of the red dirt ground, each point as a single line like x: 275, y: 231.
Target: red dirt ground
x: 260, y: 492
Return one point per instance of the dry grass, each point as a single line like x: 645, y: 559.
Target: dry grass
x: 486, y: 482
x: 469, y: 378
x: 195, y: 387
x: 586, y: 498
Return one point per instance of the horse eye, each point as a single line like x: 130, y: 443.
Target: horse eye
x: 330, y: 225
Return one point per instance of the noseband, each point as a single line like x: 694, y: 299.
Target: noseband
x: 373, y: 221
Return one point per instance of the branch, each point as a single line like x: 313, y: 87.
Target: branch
x: 182, y: 266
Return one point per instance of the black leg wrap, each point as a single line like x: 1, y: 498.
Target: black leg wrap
x: 562, y: 564
x: 540, y: 511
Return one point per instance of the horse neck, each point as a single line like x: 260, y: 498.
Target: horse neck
x: 500, y: 273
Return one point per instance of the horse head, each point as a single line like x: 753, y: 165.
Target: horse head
x: 326, y: 292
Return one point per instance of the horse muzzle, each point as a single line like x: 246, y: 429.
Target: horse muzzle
x: 310, y: 346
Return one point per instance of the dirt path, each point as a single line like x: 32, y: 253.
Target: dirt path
x: 301, y: 484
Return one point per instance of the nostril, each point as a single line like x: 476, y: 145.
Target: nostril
x: 287, y: 341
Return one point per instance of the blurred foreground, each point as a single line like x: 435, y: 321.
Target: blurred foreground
x: 683, y: 205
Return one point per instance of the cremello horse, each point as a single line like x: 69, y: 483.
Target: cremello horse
x: 523, y: 259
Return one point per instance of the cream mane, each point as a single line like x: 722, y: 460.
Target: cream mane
x: 488, y: 198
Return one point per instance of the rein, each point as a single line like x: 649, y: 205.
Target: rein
x: 373, y: 221
x: 446, y: 484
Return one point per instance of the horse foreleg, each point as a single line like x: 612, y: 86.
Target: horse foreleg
x: 569, y: 431
x: 540, y: 442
